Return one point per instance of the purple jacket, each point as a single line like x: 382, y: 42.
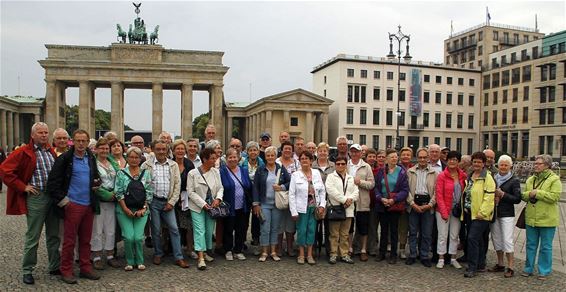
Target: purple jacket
x: 401, y: 187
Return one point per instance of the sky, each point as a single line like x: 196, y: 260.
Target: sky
x: 270, y: 47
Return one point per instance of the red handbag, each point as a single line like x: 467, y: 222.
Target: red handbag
x: 397, y: 207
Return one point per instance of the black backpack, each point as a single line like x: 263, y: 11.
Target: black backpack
x: 135, y: 192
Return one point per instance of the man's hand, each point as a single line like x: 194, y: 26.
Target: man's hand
x: 168, y: 207
x: 32, y: 190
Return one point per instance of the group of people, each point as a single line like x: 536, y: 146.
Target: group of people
x: 298, y: 195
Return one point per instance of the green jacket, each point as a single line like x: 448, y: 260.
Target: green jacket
x: 483, y: 196
x: 543, y: 213
x: 104, y: 194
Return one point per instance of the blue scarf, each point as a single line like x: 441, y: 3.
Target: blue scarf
x: 501, y: 179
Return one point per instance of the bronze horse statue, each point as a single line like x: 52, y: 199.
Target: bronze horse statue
x: 154, y: 37
x: 121, y: 34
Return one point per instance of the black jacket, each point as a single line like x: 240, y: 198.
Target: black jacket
x: 260, y: 177
x: 60, y: 178
x: 506, y: 206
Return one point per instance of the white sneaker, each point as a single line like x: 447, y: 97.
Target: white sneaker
x: 208, y: 258
x: 455, y: 264
x: 440, y: 264
x: 229, y: 256
x: 402, y: 254
x: 240, y: 256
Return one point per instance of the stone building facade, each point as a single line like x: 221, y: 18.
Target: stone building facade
x: 17, y: 115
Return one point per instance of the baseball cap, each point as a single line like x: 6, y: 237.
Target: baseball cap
x: 356, y: 146
x: 264, y: 135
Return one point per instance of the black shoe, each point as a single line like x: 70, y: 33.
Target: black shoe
x: 462, y: 259
x: 90, y: 276
x: 148, y: 242
x: 69, y: 280
x: 255, y: 241
x: 55, y: 272
x: 426, y: 263
x: 410, y: 261
x: 380, y: 258
x: 28, y: 279
x: 469, y: 274
x: 392, y: 260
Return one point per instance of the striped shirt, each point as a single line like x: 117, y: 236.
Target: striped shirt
x: 421, y: 188
x: 161, y: 179
x: 43, y: 164
x: 239, y: 199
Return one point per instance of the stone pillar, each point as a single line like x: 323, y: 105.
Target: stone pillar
x: 324, y: 119
x: 269, y: 122
x: 37, y: 118
x: 229, y: 128
x: 519, y: 144
x: 85, y: 106
x: 248, y: 129
x: 93, y: 110
x: 216, y: 106
x: 157, y: 110
x: 117, y: 109
x: 316, y: 128
x: 186, y: 111
x: 10, y: 128
x: 51, y: 105
x: 286, y: 120
x: 17, y: 140
x: 309, y: 129
x: 252, y: 127
x: 3, y: 129
x: 61, y: 104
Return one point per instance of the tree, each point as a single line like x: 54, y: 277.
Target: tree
x: 199, y: 125
x: 101, y: 119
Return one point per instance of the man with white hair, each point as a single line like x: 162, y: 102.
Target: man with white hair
x: 490, y: 161
x: 342, y: 147
x: 209, y: 134
x: 311, y: 148
x: 434, y: 158
x: 60, y: 140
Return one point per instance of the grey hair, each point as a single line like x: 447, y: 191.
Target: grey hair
x: 134, y: 149
x: 212, y: 144
x: 547, y: 159
x: 341, y: 138
x: 252, y: 144
x: 422, y: 149
x: 271, y: 149
x: 231, y: 151
x: 506, y: 158
x: 60, y: 130
x: 37, y: 125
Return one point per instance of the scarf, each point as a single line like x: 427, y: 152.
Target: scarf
x: 501, y: 179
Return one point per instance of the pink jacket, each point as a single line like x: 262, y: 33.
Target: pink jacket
x: 445, y: 191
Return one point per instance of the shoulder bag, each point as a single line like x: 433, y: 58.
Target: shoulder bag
x: 223, y: 209
x: 337, y: 212
x: 281, y: 197
x: 396, y: 207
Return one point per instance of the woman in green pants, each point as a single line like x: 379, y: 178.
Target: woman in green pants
x: 132, y: 220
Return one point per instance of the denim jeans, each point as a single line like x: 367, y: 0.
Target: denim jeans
x: 158, y: 215
x: 420, y: 224
x: 270, y: 227
x: 544, y: 235
x: 476, y: 245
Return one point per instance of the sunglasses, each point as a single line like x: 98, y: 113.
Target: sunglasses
x: 340, y: 163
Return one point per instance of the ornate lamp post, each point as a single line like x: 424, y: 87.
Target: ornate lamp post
x: 399, y: 37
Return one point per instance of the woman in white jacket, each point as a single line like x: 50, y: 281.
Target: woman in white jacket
x: 306, y: 196
x: 341, y: 190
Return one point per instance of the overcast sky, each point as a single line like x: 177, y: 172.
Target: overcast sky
x: 270, y: 47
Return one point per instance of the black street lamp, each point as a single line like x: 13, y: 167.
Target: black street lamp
x: 399, y: 36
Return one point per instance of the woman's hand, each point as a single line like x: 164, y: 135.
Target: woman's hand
x: 320, y: 210
x: 129, y: 213
x: 348, y: 203
x: 277, y: 187
x: 480, y: 216
x: 206, y: 207
x: 215, y: 203
x: 256, y: 210
x: 295, y: 218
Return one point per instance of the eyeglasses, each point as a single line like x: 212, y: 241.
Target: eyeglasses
x: 340, y: 163
x: 265, y: 139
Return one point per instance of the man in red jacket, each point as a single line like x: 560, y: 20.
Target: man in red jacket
x: 25, y: 172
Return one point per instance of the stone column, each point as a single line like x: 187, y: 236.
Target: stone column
x: 324, y: 119
x: 51, y: 105
x: 117, y: 109
x: 37, y: 118
x: 10, y: 128
x: 3, y: 129
x: 85, y: 106
x: 61, y: 103
x: 269, y: 122
x: 519, y: 144
x: 252, y: 127
x: 229, y: 128
x: 248, y: 129
x: 186, y: 111
x: 17, y: 140
x: 216, y: 106
x: 316, y: 128
x: 309, y: 129
x: 157, y: 110
x: 286, y: 120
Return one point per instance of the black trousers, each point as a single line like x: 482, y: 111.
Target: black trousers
x: 235, y: 230
x: 389, y: 223
x: 477, y: 245
x: 255, y: 227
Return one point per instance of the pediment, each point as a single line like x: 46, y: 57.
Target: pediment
x: 297, y: 96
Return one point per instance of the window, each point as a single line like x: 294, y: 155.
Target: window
x: 525, y: 115
x: 495, y: 35
x: 438, y: 98
x: 485, y: 118
x: 504, y: 99
x: 401, y: 118
x: 480, y: 36
x: 437, y: 120
x: 470, y: 145
x: 389, y: 94
x: 389, y: 118
x: 448, y: 80
x: 447, y: 142
x: 349, y: 137
x: 425, y: 141
x: 363, y: 116
x: 402, y: 76
x: 376, y: 74
x: 480, y: 50
x: 363, y: 93
x: 504, y: 117
x: 426, y: 97
x: 472, y: 82
x: 448, y: 120
x: 504, y: 60
x: 357, y: 93
x: 460, y: 99
x: 437, y: 140
x: 350, y: 116
x: 494, y: 49
x: 550, y: 116
x: 294, y: 122
x: 542, y: 117
x: 564, y: 115
x: 485, y: 99
x: 376, y: 93
x: 494, y: 118
x: 438, y: 79
x: 426, y: 119
x: 350, y: 72
x: 495, y: 80
x: 460, y: 81
x: 514, y: 116
x: 389, y: 75
x: 471, y: 121
x: 542, y: 91
x: 460, y: 121
x: 552, y: 72
x: 535, y: 52
x: 486, y: 81
x: 389, y: 142
x: 402, y: 95
x: 495, y: 99
x: 515, y: 94
x: 362, y: 139
x: 375, y: 142
x: 449, y: 98
x: 459, y: 145
x: 525, y: 93
x: 516, y: 75
x: 505, y: 78
x: 471, y: 100
x: 524, y: 55
x: 324, y: 79
x: 376, y: 116
x: 364, y: 73
x: 350, y: 93
x: 426, y: 78
x: 513, y: 58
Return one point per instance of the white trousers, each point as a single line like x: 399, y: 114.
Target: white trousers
x: 447, y: 230
x: 104, y: 223
x: 502, y: 234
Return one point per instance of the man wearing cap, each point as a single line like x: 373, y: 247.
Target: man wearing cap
x: 444, y: 153
x: 363, y: 178
x: 264, y: 142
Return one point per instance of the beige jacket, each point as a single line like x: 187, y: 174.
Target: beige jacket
x: 175, y: 185
x: 367, y: 182
x: 335, y: 191
x: 197, y: 188
x: 430, y: 185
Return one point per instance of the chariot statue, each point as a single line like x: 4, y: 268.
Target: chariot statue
x: 137, y: 33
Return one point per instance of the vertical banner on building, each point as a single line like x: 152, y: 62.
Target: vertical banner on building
x: 416, y: 93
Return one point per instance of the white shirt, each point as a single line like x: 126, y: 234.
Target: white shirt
x: 353, y: 168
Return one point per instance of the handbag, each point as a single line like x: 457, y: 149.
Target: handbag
x: 337, y: 212
x: 397, y: 207
x: 318, y: 215
x: 223, y: 209
x: 281, y: 197
x: 521, y: 224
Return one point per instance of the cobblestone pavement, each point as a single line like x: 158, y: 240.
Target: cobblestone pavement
x: 251, y: 275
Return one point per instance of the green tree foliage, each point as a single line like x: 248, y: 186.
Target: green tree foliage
x: 199, y: 125
x: 102, y: 119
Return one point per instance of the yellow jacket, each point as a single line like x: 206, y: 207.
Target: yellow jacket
x: 483, y: 196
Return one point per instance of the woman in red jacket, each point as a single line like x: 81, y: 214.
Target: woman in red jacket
x: 449, y: 187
